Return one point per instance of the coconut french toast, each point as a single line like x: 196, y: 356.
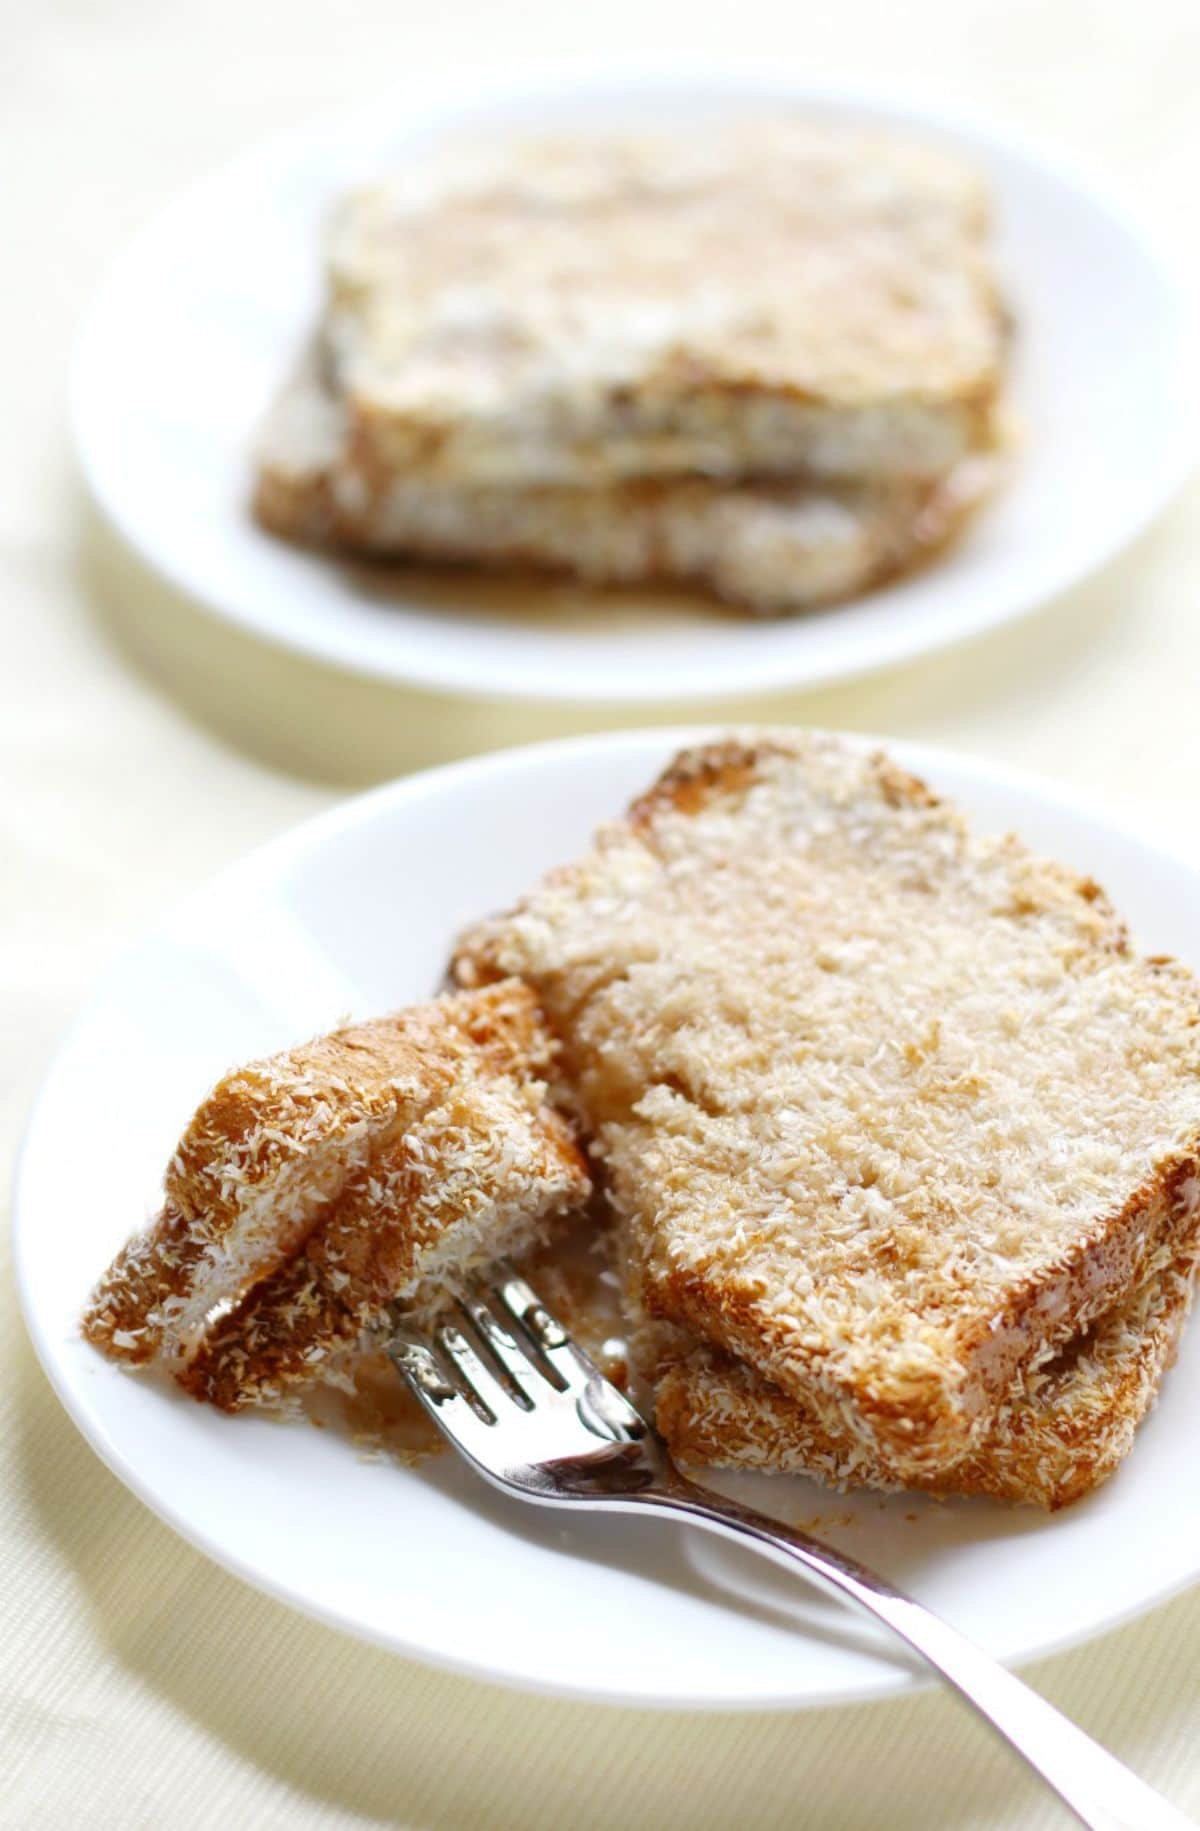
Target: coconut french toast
x: 315, y: 1186
x: 889, y: 1111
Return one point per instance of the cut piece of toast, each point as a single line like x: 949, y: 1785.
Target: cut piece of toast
x: 329, y: 1129
x: 1062, y: 1432
x: 767, y: 547
x: 480, y: 1175
x: 889, y: 1110
x: 723, y: 298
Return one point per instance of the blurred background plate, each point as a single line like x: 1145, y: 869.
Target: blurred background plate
x: 199, y: 320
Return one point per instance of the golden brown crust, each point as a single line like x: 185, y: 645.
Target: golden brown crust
x: 695, y: 778
x: 152, y: 1271
x: 285, y: 1330
x: 706, y: 774
x: 297, y: 504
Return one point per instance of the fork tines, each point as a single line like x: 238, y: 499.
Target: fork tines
x: 501, y: 1345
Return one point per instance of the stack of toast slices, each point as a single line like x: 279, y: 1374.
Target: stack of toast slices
x: 899, y: 1137
x: 763, y: 359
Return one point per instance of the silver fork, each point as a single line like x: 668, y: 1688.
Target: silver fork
x: 503, y: 1380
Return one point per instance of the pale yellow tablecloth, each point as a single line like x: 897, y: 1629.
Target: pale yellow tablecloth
x: 143, y: 746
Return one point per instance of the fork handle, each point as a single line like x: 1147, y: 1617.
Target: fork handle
x: 1101, y: 1792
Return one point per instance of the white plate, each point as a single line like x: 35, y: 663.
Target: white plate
x: 354, y: 912
x: 199, y: 320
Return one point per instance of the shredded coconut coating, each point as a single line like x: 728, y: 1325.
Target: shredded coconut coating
x: 479, y: 1176
x: 758, y: 297
x: 277, y: 1143
x: 1063, y: 1430
x: 889, y: 1110
x: 768, y: 548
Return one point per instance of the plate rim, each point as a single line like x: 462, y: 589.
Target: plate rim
x: 266, y: 861
x: 440, y: 101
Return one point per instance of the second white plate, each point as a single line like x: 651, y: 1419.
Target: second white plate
x: 354, y: 912
x: 200, y: 319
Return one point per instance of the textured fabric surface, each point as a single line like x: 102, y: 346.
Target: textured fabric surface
x: 144, y: 746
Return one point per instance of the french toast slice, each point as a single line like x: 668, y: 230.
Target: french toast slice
x: 479, y: 1176
x: 723, y: 299
x: 765, y: 546
x: 889, y: 1110
x: 369, y: 1154
x: 1064, y: 1429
